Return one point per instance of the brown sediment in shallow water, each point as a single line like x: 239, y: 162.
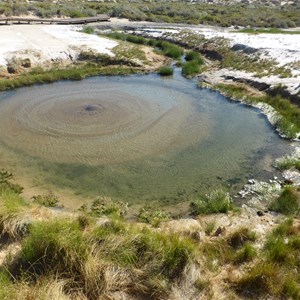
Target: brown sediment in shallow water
x: 99, y: 126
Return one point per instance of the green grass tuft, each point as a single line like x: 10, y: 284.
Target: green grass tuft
x: 240, y: 237
x: 49, y: 200
x: 166, y: 71
x: 88, y: 30
x: 53, y: 246
x: 216, y: 202
x: 152, y: 215
x: 258, y: 282
x: 192, y: 66
x: 288, y: 202
x: 247, y: 253
x: 194, y: 56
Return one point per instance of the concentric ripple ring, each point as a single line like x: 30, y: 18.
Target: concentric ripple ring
x: 98, y: 122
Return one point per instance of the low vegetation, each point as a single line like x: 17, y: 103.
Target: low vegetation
x: 288, y: 163
x: 88, y: 30
x: 271, y: 31
x: 152, y: 215
x: 276, y: 272
x: 70, y: 73
x: 165, y: 48
x: 237, y: 14
x: 86, y: 258
x: 288, y: 202
x: 216, y: 202
x: 48, y: 200
x: 96, y: 253
x: 166, y: 71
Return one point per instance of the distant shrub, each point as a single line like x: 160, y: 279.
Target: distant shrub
x: 5, y: 182
x: 288, y: 202
x: 135, y: 39
x: 88, y: 29
x: 216, y: 202
x: 194, y: 56
x: 152, y: 216
x: 49, y: 200
x: 106, y: 206
x: 166, y: 71
x: 190, y: 68
x: 76, y: 13
x: 170, y: 50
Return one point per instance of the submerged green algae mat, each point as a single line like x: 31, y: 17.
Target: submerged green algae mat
x: 138, y: 138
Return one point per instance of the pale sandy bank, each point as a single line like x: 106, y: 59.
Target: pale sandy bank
x: 42, y: 43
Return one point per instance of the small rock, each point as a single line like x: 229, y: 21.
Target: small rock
x: 260, y: 213
x: 291, y: 177
x: 184, y: 226
x: 220, y: 230
x: 26, y: 63
x: 12, y: 68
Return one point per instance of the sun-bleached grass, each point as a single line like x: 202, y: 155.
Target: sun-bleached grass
x: 275, y: 275
x: 14, y: 219
x: 97, y: 260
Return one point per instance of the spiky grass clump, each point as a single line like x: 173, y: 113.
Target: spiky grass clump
x: 247, y: 253
x: 154, y: 253
x: 288, y: 164
x: 240, y: 237
x: 276, y: 272
x: 55, y: 245
x: 152, y: 215
x: 88, y: 30
x: 283, y: 244
x: 192, y: 66
x: 259, y: 282
x: 288, y: 202
x: 217, y: 201
x: 194, y: 56
x: 97, y: 259
x: 166, y: 71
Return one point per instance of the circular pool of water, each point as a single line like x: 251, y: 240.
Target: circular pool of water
x: 139, y: 137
